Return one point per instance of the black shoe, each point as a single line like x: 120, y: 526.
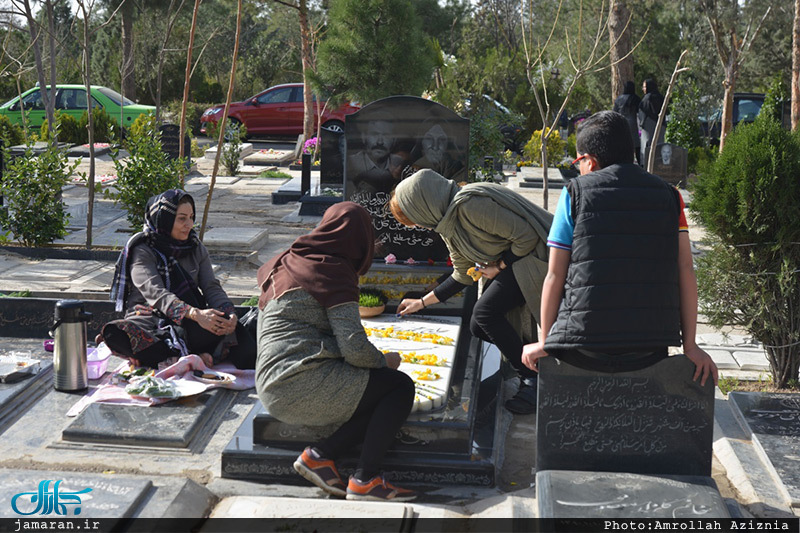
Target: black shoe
x: 524, y: 402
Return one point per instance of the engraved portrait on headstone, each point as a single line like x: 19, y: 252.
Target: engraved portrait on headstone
x: 387, y: 141
x: 434, y: 150
x: 671, y: 163
x: 666, y: 153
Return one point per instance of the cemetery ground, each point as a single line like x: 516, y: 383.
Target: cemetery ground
x: 168, y: 464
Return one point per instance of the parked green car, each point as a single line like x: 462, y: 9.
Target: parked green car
x: 71, y: 99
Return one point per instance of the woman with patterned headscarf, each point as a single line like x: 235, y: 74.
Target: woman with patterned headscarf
x: 503, y: 237
x: 173, y: 303
x: 316, y: 366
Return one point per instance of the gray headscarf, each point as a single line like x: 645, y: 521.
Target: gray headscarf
x: 425, y: 196
x: 433, y: 201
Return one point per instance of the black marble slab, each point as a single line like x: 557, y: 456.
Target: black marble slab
x: 82, y: 150
x: 652, y: 421
x: 111, y: 496
x: 31, y: 318
x: 773, y: 421
x: 170, y: 425
x: 316, y: 205
x: 455, y: 444
x: 390, y: 139
x: 243, y: 459
x: 576, y: 494
x: 331, y: 158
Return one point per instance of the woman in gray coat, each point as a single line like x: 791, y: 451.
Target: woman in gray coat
x: 173, y: 303
x: 315, y: 364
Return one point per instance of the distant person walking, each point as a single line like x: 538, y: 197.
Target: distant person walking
x: 649, y: 108
x: 627, y: 104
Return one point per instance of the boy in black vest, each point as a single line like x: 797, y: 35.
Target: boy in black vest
x: 620, y: 286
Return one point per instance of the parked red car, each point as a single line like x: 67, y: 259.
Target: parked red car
x: 277, y: 111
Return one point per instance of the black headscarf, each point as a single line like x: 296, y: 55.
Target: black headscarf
x: 630, y: 88
x: 652, y: 101
x: 159, y: 218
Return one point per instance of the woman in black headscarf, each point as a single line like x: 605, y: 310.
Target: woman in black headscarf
x: 627, y: 104
x: 173, y: 303
x: 316, y: 365
x: 649, y: 109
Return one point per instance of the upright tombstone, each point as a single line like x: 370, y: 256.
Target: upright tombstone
x: 387, y: 141
x: 651, y: 421
x: 170, y: 142
x: 331, y: 172
x: 671, y: 163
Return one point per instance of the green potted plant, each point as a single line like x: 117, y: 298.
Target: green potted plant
x: 567, y: 169
x: 371, y: 302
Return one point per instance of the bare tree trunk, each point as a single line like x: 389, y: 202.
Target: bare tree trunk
x: 726, y: 124
x: 221, y: 123
x: 619, y: 35
x: 308, y: 103
x: 796, y: 67
x: 90, y: 126
x: 51, y: 103
x: 187, y: 79
x: 128, y: 85
x: 161, y: 52
x: 34, y: 30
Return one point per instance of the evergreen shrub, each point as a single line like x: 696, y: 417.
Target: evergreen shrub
x: 146, y: 172
x: 32, y: 212
x: 749, y: 202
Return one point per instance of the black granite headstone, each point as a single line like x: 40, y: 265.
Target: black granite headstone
x: 774, y: 422
x: 170, y: 425
x: 170, y: 142
x: 651, y: 421
x: 331, y: 159
x: 571, y: 494
x: 111, y: 496
x: 671, y: 163
x: 387, y: 141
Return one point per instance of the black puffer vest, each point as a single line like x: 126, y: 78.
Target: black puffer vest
x: 622, y: 288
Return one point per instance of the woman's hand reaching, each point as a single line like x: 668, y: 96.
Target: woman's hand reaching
x: 409, y: 306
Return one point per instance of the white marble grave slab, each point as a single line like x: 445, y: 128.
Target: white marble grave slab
x: 235, y: 239
x: 247, y: 149
x: 389, y: 333
x: 752, y: 360
x: 55, y: 269
x: 723, y: 359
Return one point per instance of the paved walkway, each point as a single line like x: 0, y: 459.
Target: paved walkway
x: 244, y: 203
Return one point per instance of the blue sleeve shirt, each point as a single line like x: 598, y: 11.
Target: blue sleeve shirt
x: 563, y: 226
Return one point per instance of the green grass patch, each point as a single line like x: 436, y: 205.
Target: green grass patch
x: 274, y: 174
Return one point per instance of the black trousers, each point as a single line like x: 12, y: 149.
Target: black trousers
x: 489, y: 319
x: 380, y: 414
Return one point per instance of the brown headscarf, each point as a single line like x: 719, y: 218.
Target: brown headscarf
x: 326, y: 262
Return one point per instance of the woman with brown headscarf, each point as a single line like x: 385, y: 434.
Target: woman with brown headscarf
x: 315, y: 363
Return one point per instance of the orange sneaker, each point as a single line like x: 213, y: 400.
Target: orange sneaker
x: 320, y: 472
x: 379, y: 490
